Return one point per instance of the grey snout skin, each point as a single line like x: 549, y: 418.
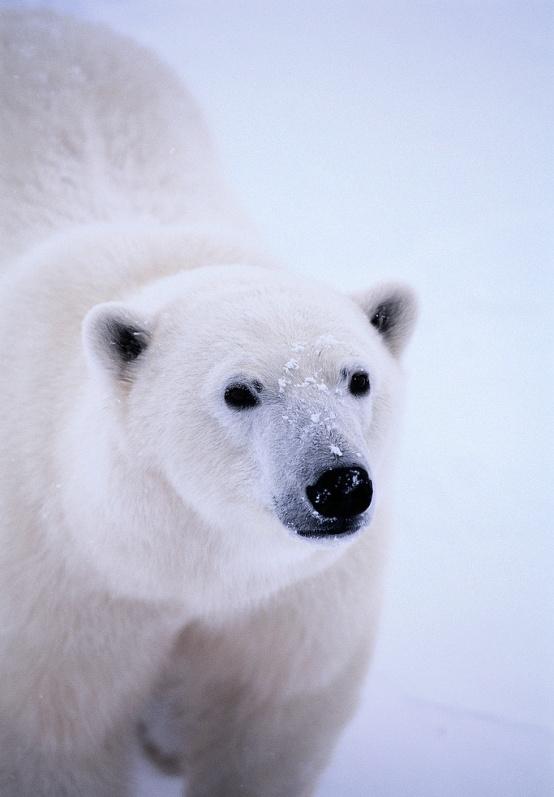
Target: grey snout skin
x: 335, y: 502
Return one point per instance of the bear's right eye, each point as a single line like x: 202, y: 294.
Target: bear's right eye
x: 241, y: 396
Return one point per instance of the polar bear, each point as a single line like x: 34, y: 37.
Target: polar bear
x: 195, y: 446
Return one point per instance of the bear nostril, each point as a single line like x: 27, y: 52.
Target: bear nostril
x: 341, y: 492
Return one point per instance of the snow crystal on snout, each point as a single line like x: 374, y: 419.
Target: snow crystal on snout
x: 309, y: 380
x: 298, y: 347
x: 315, y: 417
x: 335, y: 450
x: 292, y: 365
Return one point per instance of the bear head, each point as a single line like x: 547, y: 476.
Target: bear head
x: 265, y: 401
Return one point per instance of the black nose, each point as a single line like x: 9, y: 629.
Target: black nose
x: 341, y: 492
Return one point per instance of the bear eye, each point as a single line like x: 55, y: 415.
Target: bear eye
x: 242, y: 397
x: 359, y: 384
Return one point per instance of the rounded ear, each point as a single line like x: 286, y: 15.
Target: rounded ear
x: 390, y: 307
x: 114, y: 339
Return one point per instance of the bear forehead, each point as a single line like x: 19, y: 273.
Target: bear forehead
x: 253, y: 314
x: 289, y: 310
x: 293, y: 358
x: 284, y: 329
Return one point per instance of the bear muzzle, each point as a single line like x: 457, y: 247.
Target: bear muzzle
x: 341, y: 493
x: 336, y: 503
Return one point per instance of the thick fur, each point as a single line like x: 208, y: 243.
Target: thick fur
x: 133, y: 502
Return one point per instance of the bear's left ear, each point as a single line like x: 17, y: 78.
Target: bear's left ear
x: 391, y: 308
x: 114, y: 339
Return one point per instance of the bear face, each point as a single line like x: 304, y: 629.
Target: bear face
x: 265, y: 400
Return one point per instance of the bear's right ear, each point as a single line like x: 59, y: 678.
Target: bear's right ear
x: 114, y: 339
x: 391, y: 309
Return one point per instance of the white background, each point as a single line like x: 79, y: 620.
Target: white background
x: 412, y: 140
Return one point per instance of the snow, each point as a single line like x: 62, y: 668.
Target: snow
x: 379, y: 140
x: 335, y: 450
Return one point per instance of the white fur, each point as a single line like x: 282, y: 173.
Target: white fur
x: 135, y: 504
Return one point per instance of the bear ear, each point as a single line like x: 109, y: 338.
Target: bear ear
x: 114, y: 339
x: 391, y: 308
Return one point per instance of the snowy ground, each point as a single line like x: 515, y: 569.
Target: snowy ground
x: 410, y: 140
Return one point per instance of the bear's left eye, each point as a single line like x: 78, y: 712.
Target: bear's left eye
x: 242, y: 397
x: 359, y: 384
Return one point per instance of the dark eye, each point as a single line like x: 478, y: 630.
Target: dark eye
x: 241, y: 396
x: 359, y: 384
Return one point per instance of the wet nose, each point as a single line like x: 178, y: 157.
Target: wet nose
x: 341, y: 492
